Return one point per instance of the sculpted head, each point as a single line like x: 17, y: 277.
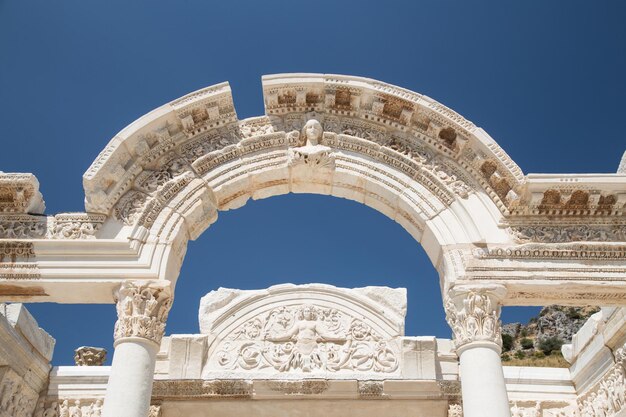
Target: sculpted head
x: 312, y: 132
x: 308, y: 312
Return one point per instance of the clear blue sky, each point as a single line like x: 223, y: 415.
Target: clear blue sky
x: 545, y: 78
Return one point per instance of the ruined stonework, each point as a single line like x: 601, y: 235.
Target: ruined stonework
x: 496, y: 235
x: 25, y: 354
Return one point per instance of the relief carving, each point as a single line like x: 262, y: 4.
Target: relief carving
x: 473, y: 315
x: 73, y: 408
x: 577, y: 233
x: 19, y: 193
x: 312, y: 153
x: 22, y: 227
x: 155, y: 411
x: 149, y: 181
x: 142, y: 310
x: 130, y: 206
x: 76, y: 226
x: 231, y: 388
x: 455, y: 410
x: 16, y: 398
x: 89, y: 356
x: 307, y: 339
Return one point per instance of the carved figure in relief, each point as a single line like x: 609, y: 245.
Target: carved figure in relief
x: 306, y: 339
x: 51, y: 411
x: 95, y: 410
x: 64, y: 409
x: 75, y: 410
x: 516, y: 411
x: 312, y: 153
x: 306, y: 334
x: 535, y: 411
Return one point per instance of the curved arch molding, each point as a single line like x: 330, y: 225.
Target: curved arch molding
x: 162, y: 180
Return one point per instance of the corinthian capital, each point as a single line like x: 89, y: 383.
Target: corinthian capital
x: 142, y: 309
x: 473, y: 313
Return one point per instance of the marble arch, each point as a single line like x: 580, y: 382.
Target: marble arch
x: 496, y: 236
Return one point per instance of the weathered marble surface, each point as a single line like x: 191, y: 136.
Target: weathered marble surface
x: 313, y: 329
x: 25, y: 354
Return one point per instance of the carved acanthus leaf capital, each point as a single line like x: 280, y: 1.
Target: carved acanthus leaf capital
x: 89, y: 356
x: 473, y: 313
x: 142, y: 309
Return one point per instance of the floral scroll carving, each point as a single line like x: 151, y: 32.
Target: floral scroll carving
x: 142, y: 310
x: 307, y: 339
x: 576, y: 233
x: 474, y: 315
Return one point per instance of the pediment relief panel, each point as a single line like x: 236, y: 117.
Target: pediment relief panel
x: 303, y: 330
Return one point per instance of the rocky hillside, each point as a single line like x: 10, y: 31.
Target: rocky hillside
x: 538, y: 343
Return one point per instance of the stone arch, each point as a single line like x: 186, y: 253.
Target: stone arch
x: 162, y: 180
x: 167, y: 175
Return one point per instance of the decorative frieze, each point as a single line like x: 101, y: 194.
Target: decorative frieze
x: 371, y: 390
x: 142, y: 310
x: 89, y: 356
x: 534, y: 410
x: 83, y: 407
x: 305, y: 387
x: 10, y: 251
x: 556, y: 252
x: 60, y: 226
x: 23, y: 226
x: 565, y: 233
x: 189, y: 389
x: 76, y: 225
x: 473, y: 313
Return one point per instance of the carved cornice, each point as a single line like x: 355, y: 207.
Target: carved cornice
x: 19, y: 193
x: 568, y: 251
x: 473, y: 314
x: 10, y: 251
x: 60, y: 226
x: 142, y: 310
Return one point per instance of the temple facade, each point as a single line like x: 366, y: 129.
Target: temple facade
x: 497, y: 237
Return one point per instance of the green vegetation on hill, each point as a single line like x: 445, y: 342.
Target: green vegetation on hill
x: 538, y: 343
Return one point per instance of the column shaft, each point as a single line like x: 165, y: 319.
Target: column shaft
x: 130, y: 385
x: 142, y: 309
x: 473, y: 313
x: 482, y: 381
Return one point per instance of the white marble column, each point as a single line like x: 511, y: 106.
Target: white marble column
x: 142, y: 309
x: 473, y: 313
